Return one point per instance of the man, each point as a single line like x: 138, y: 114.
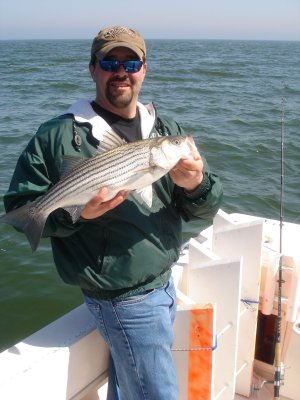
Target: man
x: 120, y: 251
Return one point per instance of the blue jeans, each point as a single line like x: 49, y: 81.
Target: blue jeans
x: 139, y: 333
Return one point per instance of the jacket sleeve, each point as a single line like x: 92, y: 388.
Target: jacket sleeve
x: 35, y: 172
x: 204, y: 202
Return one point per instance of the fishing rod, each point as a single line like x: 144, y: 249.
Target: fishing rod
x: 279, y: 367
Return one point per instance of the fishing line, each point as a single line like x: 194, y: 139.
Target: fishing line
x: 279, y: 367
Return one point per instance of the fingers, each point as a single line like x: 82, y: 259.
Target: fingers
x: 99, y: 198
x: 189, y: 165
x: 188, y: 173
x: 118, y: 199
x: 97, y: 206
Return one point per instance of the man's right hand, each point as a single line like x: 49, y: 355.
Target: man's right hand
x: 97, y: 206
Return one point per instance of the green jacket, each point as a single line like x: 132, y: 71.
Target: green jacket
x: 132, y: 247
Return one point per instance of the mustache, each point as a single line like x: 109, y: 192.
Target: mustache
x: 118, y: 79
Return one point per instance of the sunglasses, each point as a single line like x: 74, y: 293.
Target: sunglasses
x: 130, y: 66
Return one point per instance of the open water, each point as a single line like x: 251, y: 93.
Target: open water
x: 228, y: 94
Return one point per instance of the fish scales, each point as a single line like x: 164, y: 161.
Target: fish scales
x: 113, y: 175
x: 108, y: 162
x: 96, y: 175
x: 109, y: 171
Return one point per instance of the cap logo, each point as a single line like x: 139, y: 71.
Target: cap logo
x: 114, y: 32
x: 117, y: 36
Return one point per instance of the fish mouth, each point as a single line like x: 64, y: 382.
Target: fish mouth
x: 191, y: 143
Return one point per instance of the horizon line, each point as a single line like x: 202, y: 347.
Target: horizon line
x: 162, y: 38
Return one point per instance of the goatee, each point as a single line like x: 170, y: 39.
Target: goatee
x: 118, y: 100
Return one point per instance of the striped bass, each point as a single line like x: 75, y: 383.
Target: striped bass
x: 129, y: 166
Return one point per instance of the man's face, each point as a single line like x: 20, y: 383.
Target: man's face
x: 118, y: 91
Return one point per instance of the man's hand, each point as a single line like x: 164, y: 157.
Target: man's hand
x: 97, y: 206
x: 188, y: 174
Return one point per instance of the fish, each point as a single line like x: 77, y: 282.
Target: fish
x: 132, y: 166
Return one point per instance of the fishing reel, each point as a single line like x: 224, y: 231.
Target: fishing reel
x: 277, y: 382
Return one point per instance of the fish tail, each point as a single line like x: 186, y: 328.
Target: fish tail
x: 29, y: 220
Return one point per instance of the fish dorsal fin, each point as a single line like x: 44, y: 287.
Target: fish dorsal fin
x: 110, y: 140
x: 69, y: 163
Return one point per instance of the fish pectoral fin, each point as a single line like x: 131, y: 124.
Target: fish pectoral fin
x: 145, y: 195
x: 75, y: 212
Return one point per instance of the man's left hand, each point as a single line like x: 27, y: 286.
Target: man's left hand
x: 188, y: 174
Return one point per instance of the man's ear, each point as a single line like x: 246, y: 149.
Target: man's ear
x: 92, y: 69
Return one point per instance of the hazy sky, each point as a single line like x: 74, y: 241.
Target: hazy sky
x: 203, y: 19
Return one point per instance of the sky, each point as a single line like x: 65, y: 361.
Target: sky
x: 155, y: 19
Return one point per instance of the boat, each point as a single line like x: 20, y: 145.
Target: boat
x: 225, y: 330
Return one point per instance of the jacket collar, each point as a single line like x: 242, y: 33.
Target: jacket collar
x: 83, y: 112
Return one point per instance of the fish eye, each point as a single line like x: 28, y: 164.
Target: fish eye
x: 176, y: 141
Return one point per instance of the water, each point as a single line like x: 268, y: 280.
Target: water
x: 228, y: 94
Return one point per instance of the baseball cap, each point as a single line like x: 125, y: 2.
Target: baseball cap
x: 118, y: 36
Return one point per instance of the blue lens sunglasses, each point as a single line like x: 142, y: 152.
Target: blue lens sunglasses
x: 129, y: 66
